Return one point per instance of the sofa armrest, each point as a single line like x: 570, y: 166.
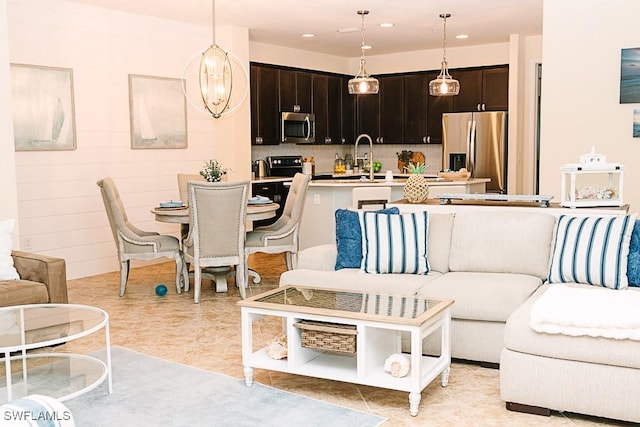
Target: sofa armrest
x: 44, y: 269
x: 322, y: 258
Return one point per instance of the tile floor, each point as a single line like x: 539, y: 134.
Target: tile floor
x: 207, y: 336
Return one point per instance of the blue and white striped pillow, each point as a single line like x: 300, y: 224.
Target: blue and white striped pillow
x: 592, y: 250
x: 394, y: 243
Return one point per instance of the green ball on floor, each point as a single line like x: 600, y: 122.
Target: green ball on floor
x: 161, y: 290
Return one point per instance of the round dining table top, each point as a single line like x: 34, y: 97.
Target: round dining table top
x: 181, y: 215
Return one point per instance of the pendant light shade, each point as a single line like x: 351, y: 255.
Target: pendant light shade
x: 216, y: 78
x: 444, y: 84
x: 362, y: 83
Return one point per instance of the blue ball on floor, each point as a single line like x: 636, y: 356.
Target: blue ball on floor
x: 161, y: 290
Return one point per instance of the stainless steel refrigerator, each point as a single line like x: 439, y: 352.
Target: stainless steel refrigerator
x: 478, y: 142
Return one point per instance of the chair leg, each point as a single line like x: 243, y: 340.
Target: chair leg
x: 179, y: 272
x: 241, y: 279
x: 197, y: 278
x: 124, y: 276
x: 291, y: 259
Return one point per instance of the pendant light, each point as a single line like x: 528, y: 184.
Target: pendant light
x: 362, y: 83
x: 216, y: 77
x: 444, y: 84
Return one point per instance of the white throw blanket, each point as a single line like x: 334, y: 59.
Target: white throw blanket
x: 593, y: 312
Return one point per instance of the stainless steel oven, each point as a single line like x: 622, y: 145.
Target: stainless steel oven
x: 299, y: 128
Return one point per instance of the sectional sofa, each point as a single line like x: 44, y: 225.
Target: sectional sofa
x: 496, y: 265
x: 42, y: 279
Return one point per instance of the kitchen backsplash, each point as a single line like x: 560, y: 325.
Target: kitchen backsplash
x: 324, y: 155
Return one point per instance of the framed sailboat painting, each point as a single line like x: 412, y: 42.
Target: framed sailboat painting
x: 43, y: 111
x: 158, y: 112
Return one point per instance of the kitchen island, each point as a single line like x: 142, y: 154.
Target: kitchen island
x: 326, y: 195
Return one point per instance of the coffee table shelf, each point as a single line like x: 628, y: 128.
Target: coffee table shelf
x: 378, y: 336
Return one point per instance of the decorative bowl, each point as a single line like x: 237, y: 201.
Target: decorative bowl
x: 461, y: 175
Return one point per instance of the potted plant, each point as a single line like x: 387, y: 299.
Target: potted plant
x: 404, y: 157
x: 213, y: 171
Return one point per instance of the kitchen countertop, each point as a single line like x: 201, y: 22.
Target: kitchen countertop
x: 397, y: 182
x: 272, y: 179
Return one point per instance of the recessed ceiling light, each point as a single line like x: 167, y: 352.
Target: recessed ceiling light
x: 462, y: 36
x: 308, y: 35
x: 367, y: 46
x: 386, y: 25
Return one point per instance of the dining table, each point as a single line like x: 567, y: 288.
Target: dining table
x: 181, y: 215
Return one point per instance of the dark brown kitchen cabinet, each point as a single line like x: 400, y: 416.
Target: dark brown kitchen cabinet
x: 334, y: 109
x: 436, y: 105
x: 320, y: 107
x: 265, y: 115
x: 275, y: 191
x: 495, y: 88
x: 347, y: 113
x: 295, y: 91
x: 391, y: 111
x: 415, y: 91
x: 327, y: 108
x: 368, y: 115
x: 482, y: 89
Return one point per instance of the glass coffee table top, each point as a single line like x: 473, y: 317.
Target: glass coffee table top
x: 46, y: 324
x: 349, y: 304
x: 28, y: 331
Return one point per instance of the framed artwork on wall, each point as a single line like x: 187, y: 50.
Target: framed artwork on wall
x: 43, y: 110
x: 630, y: 76
x: 636, y: 123
x: 158, y: 112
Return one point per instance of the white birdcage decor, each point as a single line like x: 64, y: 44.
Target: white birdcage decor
x: 592, y: 182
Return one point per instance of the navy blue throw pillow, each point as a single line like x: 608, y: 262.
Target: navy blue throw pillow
x: 633, y: 260
x: 349, y: 237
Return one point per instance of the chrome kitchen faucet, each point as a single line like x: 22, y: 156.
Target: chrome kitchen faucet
x: 355, y: 153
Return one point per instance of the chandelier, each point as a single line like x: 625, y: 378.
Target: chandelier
x: 362, y: 83
x: 216, y: 77
x: 444, y: 84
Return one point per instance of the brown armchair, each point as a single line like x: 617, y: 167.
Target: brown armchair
x: 43, y: 279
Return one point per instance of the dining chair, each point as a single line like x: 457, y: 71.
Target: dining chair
x: 218, y: 212
x: 133, y: 243
x: 183, y: 191
x: 283, y: 235
x: 365, y: 197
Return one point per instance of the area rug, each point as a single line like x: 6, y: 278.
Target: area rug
x: 148, y: 391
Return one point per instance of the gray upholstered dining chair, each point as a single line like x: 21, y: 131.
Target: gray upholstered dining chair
x: 283, y: 235
x: 217, y: 230
x: 183, y: 191
x: 133, y: 243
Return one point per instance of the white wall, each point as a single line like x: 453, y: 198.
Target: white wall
x: 61, y: 212
x: 582, y: 40
x: 8, y: 191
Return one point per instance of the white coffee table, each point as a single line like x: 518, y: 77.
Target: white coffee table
x: 379, y: 321
x: 59, y: 375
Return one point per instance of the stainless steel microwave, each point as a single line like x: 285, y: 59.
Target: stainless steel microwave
x: 299, y: 128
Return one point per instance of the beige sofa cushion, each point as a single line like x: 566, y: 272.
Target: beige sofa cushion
x: 482, y: 296
x: 439, y: 241
x: 354, y: 279
x: 502, y: 242
x: 19, y: 292
x: 521, y: 338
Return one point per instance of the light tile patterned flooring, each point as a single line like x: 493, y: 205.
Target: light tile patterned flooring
x: 207, y: 336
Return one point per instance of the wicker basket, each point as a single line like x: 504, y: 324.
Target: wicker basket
x: 328, y: 336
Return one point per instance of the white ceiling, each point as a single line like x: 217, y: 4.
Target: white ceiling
x: 417, y: 24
